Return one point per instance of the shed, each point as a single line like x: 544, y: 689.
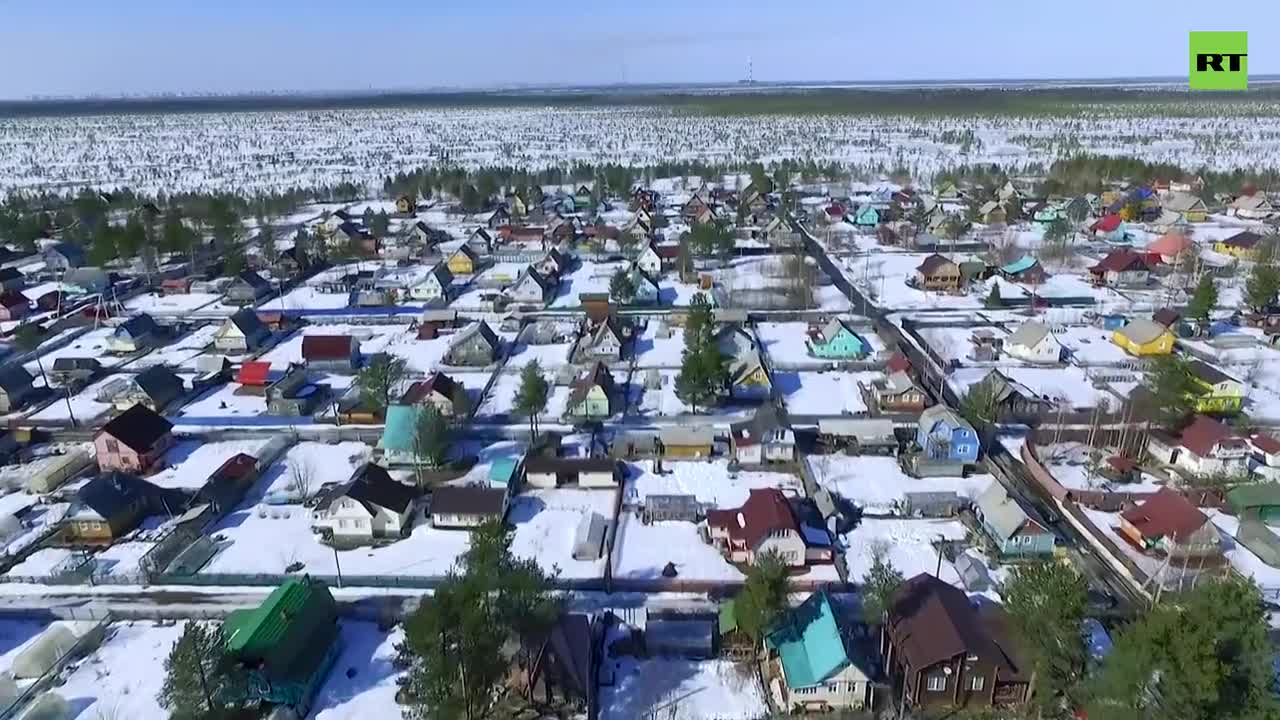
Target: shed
x: 588, y: 540
x: 865, y: 432
x: 931, y: 504
x: 55, y: 470
x: 664, y: 508
x: 1256, y: 501
x: 683, y: 637
x: 502, y: 471
x: 44, y: 652
x: 973, y: 573
x: 1259, y: 540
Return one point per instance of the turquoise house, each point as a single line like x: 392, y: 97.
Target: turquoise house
x: 1011, y: 529
x: 396, y: 443
x: 818, y: 671
x: 866, y: 216
x: 836, y: 341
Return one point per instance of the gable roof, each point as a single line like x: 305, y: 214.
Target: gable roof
x: 1169, y: 244
x: 809, y: 642
x: 765, y: 511
x: 256, y: 373
x: 253, y: 280
x: 1209, y: 373
x: 1245, y: 240
x: 468, y: 500
x: 137, y: 326
x: 327, y: 347
x: 1205, y: 433
x: 436, y: 383
x: 568, y: 649
x: 1022, y: 264
x: 138, y: 427
x: 941, y: 413
x: 109, y: 493
x: 15, y: 378
x: 932, y: 621
x: 160, y: 384
x: 247, y: 322
x: 933, y: 264
x: 481, y: 329
x: 466, y: 250
x: 598, y: 375
x: 398, y: 429
x: 1142, y: 331
x: 1183, y: 202
x: 371, y: 484
x: 1029, y: 334
x: 1001, y: 512
x: 1166, y: 514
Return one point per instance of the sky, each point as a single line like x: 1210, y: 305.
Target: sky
x: 77, y: 47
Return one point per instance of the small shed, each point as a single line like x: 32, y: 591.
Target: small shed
x: 686, y: 638
x: 502, y: 471
x: 588, y: 540
x: 44, y: 652
x: 931, y: 504
x: 665, y: 508
x: 51, y: 472
x: 858, y: 434
x: 1259, y: 540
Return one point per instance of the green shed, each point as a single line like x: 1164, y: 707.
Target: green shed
x: 287, y: 643
x: 1256, y: 501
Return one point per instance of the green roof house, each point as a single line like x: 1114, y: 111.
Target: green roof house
x: 397, y: 441
x: 287, y: 643
x: 1256, y: 501
x: 811, y: 652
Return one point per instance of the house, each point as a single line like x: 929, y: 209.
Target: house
x: 426, y: 236
x: 14, y: 305
x: 992, y: 213
x: 584, y: 472
x: 476, y: 346
x: 1169, y: 247
x: 286, y: 645
x: 593, y: 396
x: 685, y: 443
x: 898, y: 393
x: 433, y: 320
x: 767, y: 437
x: 866, y: 216
x: 463, y: 261
x: 765, y: 523
x: 945, y: 652
x: 1256, y: 501
x: 814, y: 657
x: 1015, y: 402
x: 1121, y: 268
x: 1219, y: 393
x: 247, y: 288
x: 291, y: 395
x: 73, y: 372
x: 156, y: 388
x: 1142, y: 337
x: 649, y: 260
x: 604, y: 343
x: 555, y: 262
x: 1243, y: 245
x: 1187, y: 205
x: 398, y: 444
x: 466, y: 506
x: 15, y: 387
x: 837, y: 341
x: 532, y: 287
x: 434, y: 286
x: 1025, y: 269
x: 439, y: 390
x: 339, y: 353
x: 943, y: 435
x: 133, y: 441
x: 747, y: 374
x: 565, y: 663
x: 254, y: 376
x: 1035, y: 342
x: 61, y: 257
x: 1046, y: 213
x: 12, y: 279
x: 112, y: 505
x: 1009, y: 526
x: 1266, y: 450
x: 406, y: 204
x: 1253, y: 207
x: 227, y: 485
x: 242, y: 332
x: 1167, y: 522
x: 1205, y: 447
x: 938, y: 273
x: 480, y: 242
x: 368, y: 506
x: 139, y: 332
x: 646, y: 288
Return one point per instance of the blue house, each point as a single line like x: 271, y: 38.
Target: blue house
x: 836, y: 341
x: 818, y: 671
x: 867, y: 216
x: 944, y: 435
x: 1009, y: 526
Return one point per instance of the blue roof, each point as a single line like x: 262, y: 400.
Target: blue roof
x: 809, y: 643
x: 1022, y: 264
x: 398, y: 434
x: 501, y: 470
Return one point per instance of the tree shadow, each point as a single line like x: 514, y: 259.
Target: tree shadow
x: 357, y: 668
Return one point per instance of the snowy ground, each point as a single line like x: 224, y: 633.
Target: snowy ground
x: 823, y: 393
x: 182, y: 354
x: 908, y: 544
x: 122, y: 678
x: 84, y: 404
x: 878, y: 484
x: 1067, y: 462
x: 674, y: 689
x: 709, y: 481
x: 546, y: 522
x: 190, y: 463
x: 176, y: 306
x: 785, y: 344
x: 373, y: 339
x: 225, y: 400
x: 92, y: 344
x: 658, y: 352
x: 642, y: 551
x: 1070, y: 385
x: 307, y: 297
x: 370, y: 691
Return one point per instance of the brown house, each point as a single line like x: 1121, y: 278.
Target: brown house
x: 112, y: 505
x: 938, y: 273
x: 939, y: 650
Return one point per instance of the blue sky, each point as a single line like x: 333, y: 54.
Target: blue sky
x: 77, y: 47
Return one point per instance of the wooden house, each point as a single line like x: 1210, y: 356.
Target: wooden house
x: 1142, y: 337
x: 765, y: 523
x: 475, y: 346
x: 440, y: 391
x: 242, y: 332
x: 1014, y: 532
x: 369, y: 506
x: 134, y: 441
x: 466, y: 506
x: 156, y: 388
x: 818, y: 667
x: 139, y: 332
x: 593, y: 396
x: 1169, y: 523
x: 434, y: 286
x: 248, y: 288
x: 112, y: 505
x: 15, y: 388
x: 938, y: 273
x: 331, y: 352
x: 463, y: 261
x: 685, y: 443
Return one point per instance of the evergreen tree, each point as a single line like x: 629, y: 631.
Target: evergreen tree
x: 381, y: 224
x: 132, y: 239
x: 878, y: 585
x: 1261, y: 287
x: 431, y: 436
x: 379, y: 380
x: 531, y: 400
x: 1047, y: 603
x: 622, y: 288
x: 763, y: 598
x: 1203, y: 300
x: 201, y: 681
x: 1174, y: 390
x: 703, y: 366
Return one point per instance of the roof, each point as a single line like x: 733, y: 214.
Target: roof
x: 898, y: 362
x: 327, y: 347
x: 248, y: 322
x: 1169, y: 244
x: 479, y: 328
x: 138, y: 427
x: 543, y: 464
x: 1022, y: 264
x: 1205, y: 433
x: 438, y: 382
x: 468, y: 500
x: 1107, y: 224
x: 160, y: 384
x: 398, y: 433
x: 1142, y: 331
x: 570, y: 643
x: 1166, y: 514
x: 109, y: 493
x: 766, y: 510
x: 1029, y: 334
x: 1209, y: 373
x: 1167, y: 317
x: 1265, y: 444
x: 1000, y: 512
x: 1246, y: 240
x: 931, y: 621
x: 941, y: 413
x: 673, y: 435
x: 260, y: 632
x: 467, y: 250
x: 370, y: 484
x: 1124, y: 260
x: 1254, y: 495
x: 255, y: 373
x: 1182, y: 202
x: 13, y: 298
x: 253, y: 280
x: 501, y: 470
x: 933, y: 264
x: 809, y: 643
x: 598, y: 376
x: 15, y: 378
x: 137, y: 326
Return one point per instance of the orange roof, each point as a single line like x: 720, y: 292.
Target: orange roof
x: 1169, y: 244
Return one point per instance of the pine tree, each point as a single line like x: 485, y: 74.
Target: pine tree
x: 430, y: 436
x: 878, y: 585
x: 703, y: 366
x: 1174, y: 390
x: 531, y: 400
x: 1047, y: 603
x: 763, y: 598
x: 622, y: 288
x: 201, y: 681
x: 1203, y: 300
x: 379, y: 380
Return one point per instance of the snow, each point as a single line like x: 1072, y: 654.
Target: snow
x: 224, y: 401
x: 307, y: 297
x: 675, y: 689
x: 92, y: 344
x: 907, y: 543
x: 371, y: 691
x: 878, y: 484
x: 122, y: 678
x: 1067, y: 462
x: 1241, y: 558
x: 176, y: 306
x: 709, y: 481
x: 190, y: 463
x: 824, y: 393
x: 84, y: 404
x: 546, y: 522
x: 654, y: 352
x: 642, y: 551
x: 1069, y: 384
x: 180, y: 355
x: 373, y: 339
x: 40, y: 563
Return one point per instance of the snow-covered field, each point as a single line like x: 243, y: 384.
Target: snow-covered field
x: 122, y: 677
x: 709, y: 481
x: 189, y: 464
x: 370, y: 689
x: 546, y: 522
x: 878, y: 484
x: 824, y: 393
x: 675, y: 689
x: 908, y: 545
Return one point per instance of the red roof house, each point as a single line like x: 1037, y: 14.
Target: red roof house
x: 1169, y: 246
x: 764, y: 523
x: 1107, y: 224
x: 254, y: 374
x: 335, y: 352
x: 1168, y: 522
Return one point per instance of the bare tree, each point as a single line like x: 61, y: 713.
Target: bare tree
x: 302, y: 477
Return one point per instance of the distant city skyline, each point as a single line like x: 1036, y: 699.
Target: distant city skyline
x: 144, y: 47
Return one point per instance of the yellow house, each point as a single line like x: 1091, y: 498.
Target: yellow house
x: 1220, y: 394
x: 1242, y: 245
x: 1144, y: 337
x: 462, y: 261
x: 406, y: 204
x: 1189, y: 206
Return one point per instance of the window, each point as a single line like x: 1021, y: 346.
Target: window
x: 112, y: 446
x: 936, y: 682
x: 976, y: 683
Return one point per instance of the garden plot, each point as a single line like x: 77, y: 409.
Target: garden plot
x: 499, y: 402
x: 307, y: 297
x: 641, y: 552
x: 1067, y: 384
x: 421, y: 356
x: 546, y: 523
x: 190, y: 463
x: 122, y: 678
x: 122, y: 560
x: 908, y: 544
x: 43, y: 563
x: 786, y: 344
x: 261, y: 537
x: 1091, y: 345
x: 223, y: 402
x: 956, y: 343
x: 551, y: 356
x: 181, y: 354
x: 652, y: 351
x: 1068, y: 464
x: 84, y: 405
x: 373, y: 339
x: 92, y: 344
x: 588, y: 277
x: 824, y: 393
x: 16, y: 635
x: 675, y: 689
x: 362, y: 683
x: 878, y: 484
x: 176, y: 306
x: 882, y: 277
x: 709, y: 481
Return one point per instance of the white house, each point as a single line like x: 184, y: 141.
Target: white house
x: 649, y: 261
x: 136, y: 333
x: 435, y: 286
x: 370, y: 505
x: 1034, y: 342
x: 765, y: 438
x: 763, y: 524
x: 466, y: 506
x: 1206, y: 447
x: 241, y: 333
x: 1252, y: 207
x: 531, y: 287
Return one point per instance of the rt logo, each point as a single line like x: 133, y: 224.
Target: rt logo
x: 1219, y: 61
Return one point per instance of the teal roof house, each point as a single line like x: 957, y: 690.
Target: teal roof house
x: 837, y: 341
x: 810, y: 652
